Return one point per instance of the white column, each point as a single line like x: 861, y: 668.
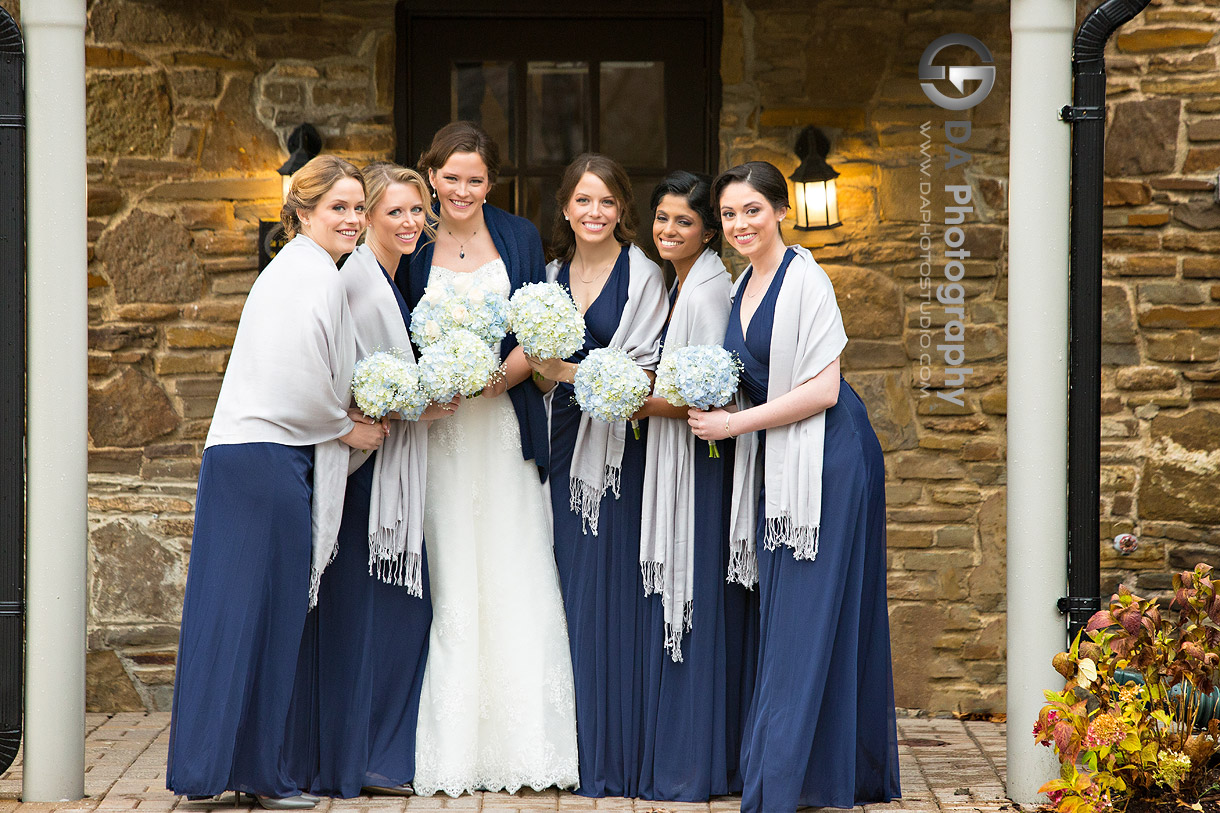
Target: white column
x: 57, y: 410
x: 1039, y: 191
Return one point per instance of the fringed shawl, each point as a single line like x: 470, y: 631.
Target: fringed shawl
x: 806, y: 337
x: 597, y: 457
x: 396, y: 510
x: 289, y: 379
x: 667, y: 543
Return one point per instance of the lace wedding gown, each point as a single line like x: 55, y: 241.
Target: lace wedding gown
x: 497, y: 710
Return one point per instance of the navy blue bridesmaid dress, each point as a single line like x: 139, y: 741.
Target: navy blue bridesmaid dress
x: 247, y: 596
x: 362, y: 662
x: 694, y: 709
x: 607, y: 611
x: 821, y: 728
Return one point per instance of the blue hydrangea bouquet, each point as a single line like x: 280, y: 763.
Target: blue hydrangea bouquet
x: 546, y: 321
x: 703, y: 376
x: 385, y: 382
x: 610, y: 386
x: 460, y: 362
x: 444, y: 308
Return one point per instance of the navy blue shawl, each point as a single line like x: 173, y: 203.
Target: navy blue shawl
x: 520, y: 247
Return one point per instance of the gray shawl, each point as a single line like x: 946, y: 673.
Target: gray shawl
x: 396, y: 510
x: 667, y: 556
x: 289, y: 379
x: 597, y: 457
x: 806, y: 337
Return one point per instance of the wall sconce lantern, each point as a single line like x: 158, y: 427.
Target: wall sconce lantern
x: 303, y: 144
x: 817, y: 203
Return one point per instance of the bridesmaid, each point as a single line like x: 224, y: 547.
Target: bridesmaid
x: 598, y: 473
x: 821, y: 728
x: 696, y: 692
x: 374, y: 609
x: 271, y: 489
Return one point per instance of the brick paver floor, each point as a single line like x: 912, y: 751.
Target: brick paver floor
x: 947, y: 765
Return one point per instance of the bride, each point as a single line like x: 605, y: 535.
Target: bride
x: 497, y: 711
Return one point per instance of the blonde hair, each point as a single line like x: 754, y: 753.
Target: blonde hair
x: 309, y: 184
x: 379, y: 175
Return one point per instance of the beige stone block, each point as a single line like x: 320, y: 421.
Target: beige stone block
x: 1159, y: 39
x: 188, y: 337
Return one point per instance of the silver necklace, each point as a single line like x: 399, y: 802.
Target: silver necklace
x: 462, y: 243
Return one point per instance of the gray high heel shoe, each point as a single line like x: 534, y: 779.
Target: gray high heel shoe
x: 298, y: 802
x: 405, y: 789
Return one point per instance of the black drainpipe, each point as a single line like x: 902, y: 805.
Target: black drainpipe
x: 1087, y: 116
x: 12, y: 385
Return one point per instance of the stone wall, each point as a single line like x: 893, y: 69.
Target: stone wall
x: 851, y: 69
x: 189, y: 106
x: 188, y: 109
x: 1161, y: 382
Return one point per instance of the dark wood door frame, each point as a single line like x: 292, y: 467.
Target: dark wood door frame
x: 708, y: 13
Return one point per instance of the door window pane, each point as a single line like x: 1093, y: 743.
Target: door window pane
x: 483, y: 92
x: 501, y: 193
x: 633, y: 113
x: 540, y: 205
x: 557, y: 98
x: 641, y: 189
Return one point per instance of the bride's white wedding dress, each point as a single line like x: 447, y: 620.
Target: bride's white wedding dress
x: 497, y: 710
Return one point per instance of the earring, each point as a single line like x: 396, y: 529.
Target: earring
x: 565, y: 217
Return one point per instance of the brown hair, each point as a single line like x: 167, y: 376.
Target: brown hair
x: 612, y: 174
x: 309, y: 184
x: 379, y: 175
x: 761, y: 176
x: 461, y: 136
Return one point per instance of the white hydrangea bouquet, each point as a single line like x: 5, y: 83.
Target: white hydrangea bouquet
x: 385, y: 382
x: 460, y: 362
x: 449, y: 306
x: 610, y: 386
x: 546, y: 321
x: 703, y: 376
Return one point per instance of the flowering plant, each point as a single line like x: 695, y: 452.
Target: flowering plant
x: 610, y: 386
x: 1130, y: 723
x: 546, y: 321
x: 460, y: 362
x: 703, y: 376
x: 449, y: 306
x: 386, y: 382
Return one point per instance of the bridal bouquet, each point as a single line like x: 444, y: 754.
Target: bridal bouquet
x: 459, y: 362
x: 386, y: 382
x: 610, y: 386
x: 446, y: 307
x: 546, y: 320
x: 703, y: 376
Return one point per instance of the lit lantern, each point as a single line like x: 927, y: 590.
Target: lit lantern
x: 303, y: 144
x: 817, y: 203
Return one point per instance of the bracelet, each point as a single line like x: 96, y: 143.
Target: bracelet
x: 727, y: 431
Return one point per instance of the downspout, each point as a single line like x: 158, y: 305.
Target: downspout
x: 57, y: 433
x: 1087, y: 117
x: 12, y: 384
x: 1039, y: 192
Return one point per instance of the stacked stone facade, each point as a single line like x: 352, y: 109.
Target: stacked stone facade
x: 189, y: 106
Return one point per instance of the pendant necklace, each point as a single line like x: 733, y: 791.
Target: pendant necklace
x: 462, y: 244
